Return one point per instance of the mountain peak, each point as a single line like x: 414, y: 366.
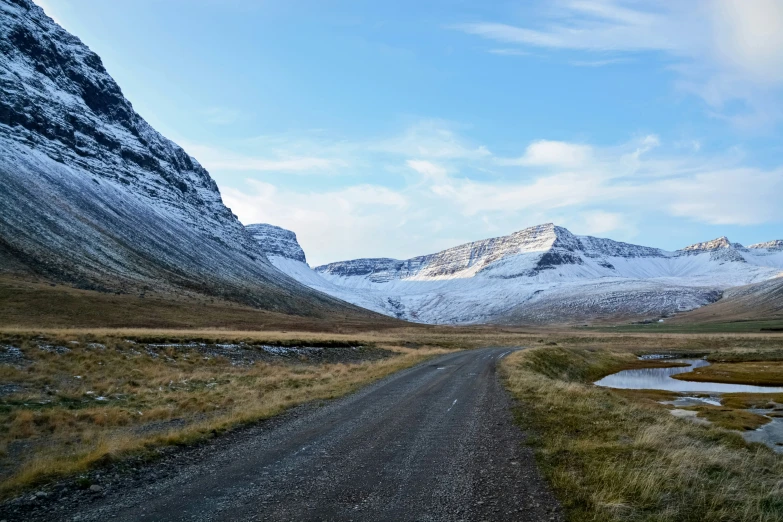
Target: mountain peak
x: 276, y: 241
x: 775, y: 244
x: 545, y: 229
x: 543, y: 232
x: 707, y: 246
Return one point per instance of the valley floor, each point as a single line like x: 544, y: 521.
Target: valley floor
x: 106, y: 418
x: 434, y: 442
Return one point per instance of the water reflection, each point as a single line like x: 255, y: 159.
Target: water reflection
x: 771, y: 434
x: 661, y: 379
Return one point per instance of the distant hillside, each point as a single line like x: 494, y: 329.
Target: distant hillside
x: 746, y: 303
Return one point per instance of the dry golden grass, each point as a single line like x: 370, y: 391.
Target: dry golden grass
x: 730, y: 418
x: 56, y: 425
x: 183, y: 397
x: 753, y: 400
x: 650, y: 395
x: 619, y: 456
x: 760, y: 373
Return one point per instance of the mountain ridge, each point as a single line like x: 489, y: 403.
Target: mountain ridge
x: 547, y: 237
x: 542, y: 274
x: 557, y: 239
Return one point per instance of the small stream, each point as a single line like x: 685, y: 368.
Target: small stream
x: 771, y: 434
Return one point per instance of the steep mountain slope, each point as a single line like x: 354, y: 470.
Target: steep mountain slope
x: 752, y: 302
x: 94, y: 196
x: 543, y: 274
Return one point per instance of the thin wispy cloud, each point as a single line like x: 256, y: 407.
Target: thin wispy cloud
x: 431, y: 139
x: 599, y: 63
x: 510, y: 52
x: 723, y: 50
x: 320, y: 152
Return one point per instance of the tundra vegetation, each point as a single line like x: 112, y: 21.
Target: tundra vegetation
x: 75, y: 400
x: 619, y: 455
x: 70, y: 401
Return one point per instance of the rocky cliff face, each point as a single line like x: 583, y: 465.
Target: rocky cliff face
x: 708, y: 246
x: 776, y: 244
x: 277, y: 242
x: 94, y: 196
x: 720, y: 250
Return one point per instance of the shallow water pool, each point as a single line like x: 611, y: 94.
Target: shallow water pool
x: 661, y: 379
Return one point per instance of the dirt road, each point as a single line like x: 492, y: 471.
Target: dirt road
x: 434, y: 442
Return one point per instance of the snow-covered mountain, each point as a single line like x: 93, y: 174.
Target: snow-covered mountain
x: 94, y: 196
x: 543, y: 274
x: 775, y: 245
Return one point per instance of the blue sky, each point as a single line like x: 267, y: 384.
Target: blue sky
x: 393, y: 129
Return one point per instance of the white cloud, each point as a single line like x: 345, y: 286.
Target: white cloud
x: 748, y: 37
x: 725, y: 50
x: 740, y: 196
x: 545, y: 193
x: 509, y: 52
x: 428, y: 169
x: 443, y: 192
x: 689, y: 144
x: 318, y: 151
x: 431, y: 139
x: 356, y: 221
x: 599, y: 63
x: 622, y: 182
x: 553, y: 153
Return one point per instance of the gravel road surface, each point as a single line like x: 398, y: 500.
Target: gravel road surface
x: 434, y: 442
